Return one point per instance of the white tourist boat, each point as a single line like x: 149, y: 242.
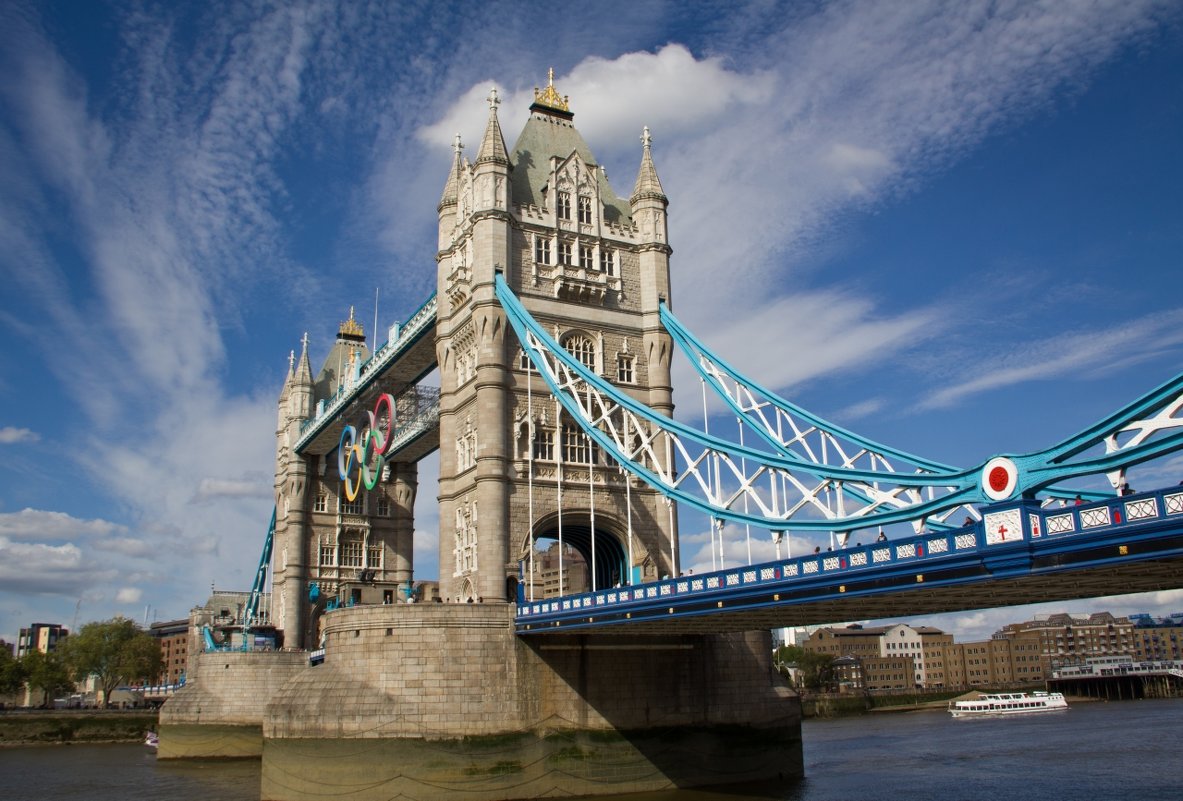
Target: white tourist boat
x: 991, y: 704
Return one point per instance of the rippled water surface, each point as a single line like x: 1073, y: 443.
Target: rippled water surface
x: 1117, y: 752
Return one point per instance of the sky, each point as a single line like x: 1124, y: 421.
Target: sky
x: 954, y: 227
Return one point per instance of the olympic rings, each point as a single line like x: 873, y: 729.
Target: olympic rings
x: 355, y: 454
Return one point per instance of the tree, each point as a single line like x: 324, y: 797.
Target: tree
x: 115, y: 651
x: 47, y: 673
x: 12, y: 674
x: 816, y: 670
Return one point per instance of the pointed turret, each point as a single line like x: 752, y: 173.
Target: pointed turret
x: 648, y: 185
x: 448, y: 207
x: 286, y: 391
x: 493, y: 144
x: 452, y: 186
x: 303, y: 373
x: 491, y: 170
x: 648, y: 201
x: 300, y: 398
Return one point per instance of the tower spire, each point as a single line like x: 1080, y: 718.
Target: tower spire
x: 303, y: 373
x: 452, y: 186
x: 648, y: 184
x: 492, y: 147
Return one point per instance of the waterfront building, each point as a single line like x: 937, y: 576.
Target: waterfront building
x: 1019, y: 653
x: 1157, y: 638
x: 893, y: 657
x: 1026, y: 653
x: 979, y: 664
x: 43, y: 637
x: 1061, y: 639
x: 174, y: 649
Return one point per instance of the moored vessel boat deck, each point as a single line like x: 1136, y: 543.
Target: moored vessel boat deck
x: 992, y: 704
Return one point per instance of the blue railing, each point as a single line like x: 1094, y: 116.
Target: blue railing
x: 1039, y: 527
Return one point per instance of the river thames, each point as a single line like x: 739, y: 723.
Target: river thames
x: 1113, y: 751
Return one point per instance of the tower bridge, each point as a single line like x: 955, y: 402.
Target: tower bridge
x: 552, y: 332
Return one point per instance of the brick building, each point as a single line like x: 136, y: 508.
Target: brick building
x: 174, y: 649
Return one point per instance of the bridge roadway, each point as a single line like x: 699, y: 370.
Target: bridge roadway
x: 396, y: 368
x: 1127, y: 544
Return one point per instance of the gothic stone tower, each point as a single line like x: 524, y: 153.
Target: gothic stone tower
x: 321, y: 537
x: 593, y: 268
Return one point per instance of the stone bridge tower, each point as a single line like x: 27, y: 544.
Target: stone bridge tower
x: 593, y: 269
x: 326, y: 542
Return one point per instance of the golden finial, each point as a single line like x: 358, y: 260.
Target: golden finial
x: 351, y: 327
x: 550, y: 97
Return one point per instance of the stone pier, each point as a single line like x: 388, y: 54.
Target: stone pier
x: 219, y: 712
x: 443, y: 701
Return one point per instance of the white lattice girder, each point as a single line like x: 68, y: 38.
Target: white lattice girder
x: 787, y: 489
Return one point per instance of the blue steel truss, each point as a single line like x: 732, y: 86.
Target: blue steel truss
x: 795, y: 431
x: 789, y: 488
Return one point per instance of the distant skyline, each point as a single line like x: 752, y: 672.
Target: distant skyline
x: 955, y: 228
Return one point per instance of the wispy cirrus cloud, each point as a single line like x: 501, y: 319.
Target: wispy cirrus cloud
x: 1070, y: 354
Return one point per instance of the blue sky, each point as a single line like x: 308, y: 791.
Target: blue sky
x: 953, y: 227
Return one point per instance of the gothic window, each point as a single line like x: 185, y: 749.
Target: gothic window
x: 466, y: 447
x: 563, y: 205
x: 565, y: 253
x: 608, y: 261
x: 624, y: 369
x: 577, y: 446
x: 524, y: 360
x: 466, y: 539
x: 321, y: 504
x: 374, y: 556
x: 582, y: 349
x: 585, y: 257
x: 355, y: 507
x: 544, y: 445
x: 328, y: 554
x: 383, y: 507
x: 585, y: 209
x: 542, y: 250
x: 465, y: 361
x: 351, y: 552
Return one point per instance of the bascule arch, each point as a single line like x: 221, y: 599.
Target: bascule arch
x: 579, y: 523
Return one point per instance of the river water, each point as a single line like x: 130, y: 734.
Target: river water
x: 1113, y: 751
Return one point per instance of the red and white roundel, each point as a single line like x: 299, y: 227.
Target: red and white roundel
x: 999, y: 477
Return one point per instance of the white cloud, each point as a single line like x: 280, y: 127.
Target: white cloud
x: 10, y: 435
x: 41, y: 569
x: 212, y: 488
x: 38, y: 524
x: 129, y: 595
x: 669, y: 90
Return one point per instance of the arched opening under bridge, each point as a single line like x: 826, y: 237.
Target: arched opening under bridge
x: 580, y: 570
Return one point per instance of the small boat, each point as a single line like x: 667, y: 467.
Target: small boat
x: 152, y: 740
x: 992, y: 704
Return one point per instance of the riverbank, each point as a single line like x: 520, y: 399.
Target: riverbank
x: 75, y: 726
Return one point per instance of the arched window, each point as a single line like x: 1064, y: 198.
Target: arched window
x: 583, y: 349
